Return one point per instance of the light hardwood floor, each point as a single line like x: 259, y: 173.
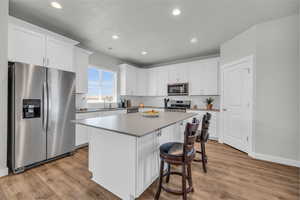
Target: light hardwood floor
x: 231, y: 175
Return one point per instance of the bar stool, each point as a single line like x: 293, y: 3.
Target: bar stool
x: 202, y: 138
x: 179, y: 154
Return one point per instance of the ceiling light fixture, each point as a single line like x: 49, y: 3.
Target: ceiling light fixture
x: 194, y: 40
x: 144, y: 53
x: 115, y: 37
x: 56, y: 5
x: 176, y: 12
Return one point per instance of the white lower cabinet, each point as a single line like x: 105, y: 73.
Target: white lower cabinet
x: 148, y: 160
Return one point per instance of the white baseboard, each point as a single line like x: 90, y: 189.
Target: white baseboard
x: 275, y: 159
x: 3, y: 172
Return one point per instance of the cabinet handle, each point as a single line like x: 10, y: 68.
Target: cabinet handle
x: 159, y: 133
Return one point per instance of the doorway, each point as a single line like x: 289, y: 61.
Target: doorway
x: 237, y: 104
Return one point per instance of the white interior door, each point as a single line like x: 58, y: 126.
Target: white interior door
x: 237, y: 101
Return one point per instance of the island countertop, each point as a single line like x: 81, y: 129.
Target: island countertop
x: 135, y: 124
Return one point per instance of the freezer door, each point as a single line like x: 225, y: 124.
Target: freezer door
x: 61, y: 130
x: 28, y: 131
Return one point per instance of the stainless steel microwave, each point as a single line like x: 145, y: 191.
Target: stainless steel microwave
x: 178, y: 89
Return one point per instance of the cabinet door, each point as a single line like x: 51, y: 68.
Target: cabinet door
x: 25, y: 45
x: 211, y: 77
x: 123, y: 85
x: 172, y: 75
x: 59, y: 54
x: 147, y: 161
x: 82, y: 135
x: 81, y: 63
x: 178, y: 73
x: 162, y: 81
x: 203, y: 77
x: 132, y: 76
x: 128, y: 78
x: 182, y: 72
x: 152, y: 82
x: 142, y: 82
x: 196, y: 79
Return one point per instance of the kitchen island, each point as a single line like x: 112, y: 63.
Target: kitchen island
x: 124, y: 149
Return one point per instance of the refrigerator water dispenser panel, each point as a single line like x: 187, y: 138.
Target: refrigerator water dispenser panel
x: 31, y: 108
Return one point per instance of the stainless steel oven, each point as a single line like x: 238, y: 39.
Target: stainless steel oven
x: 178, y: 89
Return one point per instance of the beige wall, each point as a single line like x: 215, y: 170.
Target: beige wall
x: 3, y: 85
x: 276, y: 49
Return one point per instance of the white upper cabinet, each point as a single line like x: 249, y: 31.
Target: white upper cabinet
x: 59, y: 54
x: 81, y: 63
x: 178, y: 73
x: 31, y: 44
x: 26, y: 46
x: 128, y: 80
x: 203, y: 77
x: 152, y: 82
x: 142, y: 82
x: 162, y: 81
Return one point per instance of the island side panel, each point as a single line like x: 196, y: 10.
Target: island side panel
x: 147, y: 161
x: 113, y: 161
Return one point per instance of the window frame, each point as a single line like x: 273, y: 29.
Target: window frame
x: 115, y: 85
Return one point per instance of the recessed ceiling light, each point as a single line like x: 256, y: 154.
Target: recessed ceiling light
x: 176, y: 12
x: 115, y: 37
x: 194, y: 40
x: 56, y: 5
x: 144, y: 53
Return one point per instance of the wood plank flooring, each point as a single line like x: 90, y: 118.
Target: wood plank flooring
x: 231, y: 175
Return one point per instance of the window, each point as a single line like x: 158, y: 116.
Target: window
x: 101, y: 86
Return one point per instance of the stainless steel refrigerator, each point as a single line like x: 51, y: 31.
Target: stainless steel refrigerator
x: 41, y: 109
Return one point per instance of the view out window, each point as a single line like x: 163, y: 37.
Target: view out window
x: 101, y: 86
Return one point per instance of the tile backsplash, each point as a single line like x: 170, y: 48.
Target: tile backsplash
x: 81, y: 101
x: 159, y: 101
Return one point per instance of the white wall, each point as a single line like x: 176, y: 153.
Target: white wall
x: 275, y: 46
x: 239, y: 47
x: 299, y: 79
x: 105, y: 61
x: 277, y: 91
x: 3, y: 85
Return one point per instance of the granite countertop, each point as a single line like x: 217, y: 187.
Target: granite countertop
x: 135, y: 124
x: 89, y: 110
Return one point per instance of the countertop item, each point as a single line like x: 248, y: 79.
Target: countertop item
x: 135, y: 124
x: 88, y: 110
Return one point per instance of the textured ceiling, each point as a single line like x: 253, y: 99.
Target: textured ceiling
x: 148, y: 24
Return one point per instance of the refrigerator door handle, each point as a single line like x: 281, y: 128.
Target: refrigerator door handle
x: 45, y: 106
